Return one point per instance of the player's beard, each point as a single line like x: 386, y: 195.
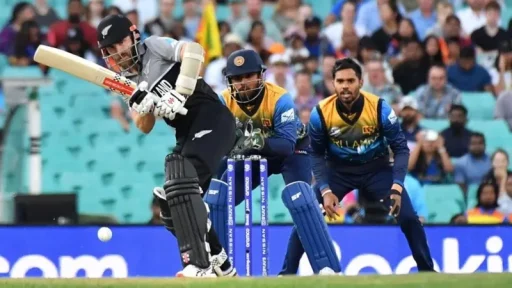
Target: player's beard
x: 347, y: 97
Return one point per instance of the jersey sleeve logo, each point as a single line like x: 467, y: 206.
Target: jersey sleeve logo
x: 392, y: 117
x: 288, y: 115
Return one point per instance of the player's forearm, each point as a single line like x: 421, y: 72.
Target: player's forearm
x: 192, y: 59
x: 319, y: 167
x: 144, y: 123
x: 278, y: 147
x: 401, y: 163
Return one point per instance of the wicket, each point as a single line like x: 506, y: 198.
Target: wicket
x: 263, y: 167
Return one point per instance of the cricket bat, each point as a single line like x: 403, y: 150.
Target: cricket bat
x: 88, y: 71
x: 84, y: 69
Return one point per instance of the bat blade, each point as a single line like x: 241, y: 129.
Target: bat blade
x: 84, y: 69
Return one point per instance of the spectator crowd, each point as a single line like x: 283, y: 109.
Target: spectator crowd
x: 420, y: 60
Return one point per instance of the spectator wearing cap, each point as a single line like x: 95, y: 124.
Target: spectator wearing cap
x: 471, y: 168
x: 21, y: 12
x: 318, y: 45
x: 214, y: 74
x: 488, y: 38
x: 466, y: 75
x: 58, y: 32
x: 378, y: 84
x: 280, y: 74
x: 410, y: 120
x: 335, y: 31
x: 457, y: 136
x: 76, y: 44
x: 437, y: 96
x: 424, y: 17
x: 244, y: 26
x: 164, y: 22
x: 502, y: 77
x: 429, y: 162
x: 325, y: 87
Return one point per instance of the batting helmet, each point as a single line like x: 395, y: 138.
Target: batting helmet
x: 113, y: 29
x: 244, y: 63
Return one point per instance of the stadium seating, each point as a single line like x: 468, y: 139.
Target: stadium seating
x: 444, y: 201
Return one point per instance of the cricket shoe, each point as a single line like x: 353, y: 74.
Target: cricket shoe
x: 222, y: 260
x: 191, y: 271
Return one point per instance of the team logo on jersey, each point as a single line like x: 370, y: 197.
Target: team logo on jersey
x: 239, y: 61
x: 368, y: 130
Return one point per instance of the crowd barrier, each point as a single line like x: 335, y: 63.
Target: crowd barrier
x: 150, y: 251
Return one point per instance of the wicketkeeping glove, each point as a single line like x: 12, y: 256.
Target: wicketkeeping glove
x: 248, y: 139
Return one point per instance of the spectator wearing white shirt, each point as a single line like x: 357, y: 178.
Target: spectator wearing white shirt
x: 214, y: 74
x: 334, y: 32
x: 472, y: 17
x: 280, y: 74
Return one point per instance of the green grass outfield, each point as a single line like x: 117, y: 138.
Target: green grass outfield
x: 392, y: 281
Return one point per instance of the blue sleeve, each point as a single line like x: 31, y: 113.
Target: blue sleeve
x: 336, y: 8
x: 319, y: 148
x: 282, y: 143
x: 396, y: 140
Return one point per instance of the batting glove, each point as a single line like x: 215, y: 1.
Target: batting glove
x: 142, y: 101
x: 170, y: 104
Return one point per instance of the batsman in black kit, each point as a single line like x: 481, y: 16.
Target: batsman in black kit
x: 169, y: 87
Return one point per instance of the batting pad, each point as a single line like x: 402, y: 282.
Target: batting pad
x: 309, y: 222
x: 217, y: 200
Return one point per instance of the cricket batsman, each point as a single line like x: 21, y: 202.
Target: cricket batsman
x: 169, y: 87
x: 350, y: 133
x: 268, y: 126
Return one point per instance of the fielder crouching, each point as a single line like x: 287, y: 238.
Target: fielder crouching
x: 268, y: 126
